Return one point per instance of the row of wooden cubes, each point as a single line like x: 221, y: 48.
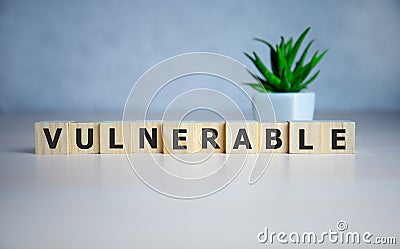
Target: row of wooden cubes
x: 320, y: 137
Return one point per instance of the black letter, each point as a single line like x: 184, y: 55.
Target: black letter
x: 301, y: 140
x: 239, y: 141
x: 335, y: 139
x: 205, y: 139
x: 175, y: 139
x: 112, y: 140
x: 152, y: 141
x: 52, y: 143
x: 277, y: 133
x: 79, y: 138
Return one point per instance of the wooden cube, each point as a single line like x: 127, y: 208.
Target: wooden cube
x: 115, y: 137
x: 242, y: 137
x: 274, y: 137
x: 210, y: 137
x: 84, y: 138
x: 338, y: 137
x: 51, y: 137
x: 146, y: 137
x: 178, y: 137
x: 305, y: 137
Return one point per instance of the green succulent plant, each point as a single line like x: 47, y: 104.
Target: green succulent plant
x: 285, y: 75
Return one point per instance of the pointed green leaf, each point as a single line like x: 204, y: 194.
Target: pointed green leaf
x: 301, y: 73
x: 296, y: 47
x: 305, y: 84
x: 285, y: 85
x: 269, y: 87
x: 265, y: 42
x: 257, y: 86
x: 256, y: 77
x: 303, y: 56
x: 282, y: 63
x: 321, y: 56
x: 282, y: 45
x: 289, y: 46
x: 300, y: 87
x: 261, y: 87
x: 265, y: 72
x: 249, y: 56
x: 273, y: 55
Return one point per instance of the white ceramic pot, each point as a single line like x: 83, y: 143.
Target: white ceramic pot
x: 287, y: 106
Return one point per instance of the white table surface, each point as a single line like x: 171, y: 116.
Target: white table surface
x: 96, y: 201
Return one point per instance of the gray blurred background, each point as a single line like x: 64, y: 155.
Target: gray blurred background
x: 84, y: 56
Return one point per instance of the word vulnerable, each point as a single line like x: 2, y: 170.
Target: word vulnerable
x: 318, y: 137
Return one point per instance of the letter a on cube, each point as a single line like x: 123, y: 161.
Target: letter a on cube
x: 242, y: 137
